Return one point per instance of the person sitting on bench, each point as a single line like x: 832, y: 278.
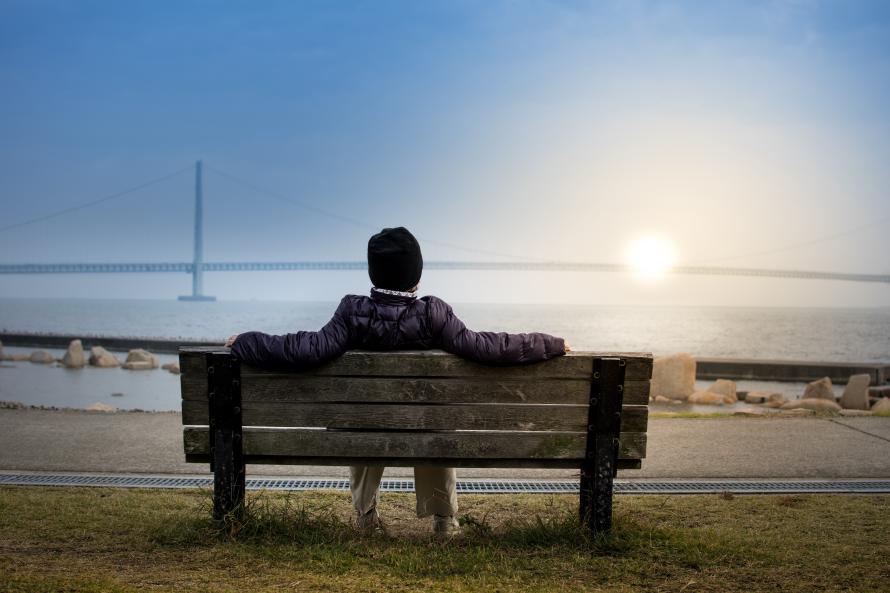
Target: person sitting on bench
x: 393, y: 317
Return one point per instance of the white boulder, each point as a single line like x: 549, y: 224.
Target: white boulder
x: 138, y: 365
x: 42, y: 357
x: 139, y: 355
x: 74, y: 357
x: 819, y: 389
x: 763, y: 397
x: 173, y: 367
x: 673, y: 376
x: 727, y: 389
x: 100, y: 357
x: 816, y: 404
x: 882, y: 405
x: 708, y: 398
x: 856, y: 392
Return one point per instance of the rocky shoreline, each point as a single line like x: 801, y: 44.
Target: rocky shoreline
x: 673, y: 383
x: 138, y: 359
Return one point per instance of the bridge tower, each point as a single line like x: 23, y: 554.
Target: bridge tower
x: 198, y: 260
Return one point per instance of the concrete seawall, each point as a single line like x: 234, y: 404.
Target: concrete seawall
x: 788, y: 370
x: 707, y: 368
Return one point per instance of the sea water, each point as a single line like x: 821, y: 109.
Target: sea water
x: 836, y: 335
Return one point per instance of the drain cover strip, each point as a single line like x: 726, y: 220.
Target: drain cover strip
x: 762, y: 486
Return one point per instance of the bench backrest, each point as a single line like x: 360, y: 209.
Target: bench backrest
x: 394, y: 408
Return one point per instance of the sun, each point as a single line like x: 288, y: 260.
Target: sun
x: 650, y: 257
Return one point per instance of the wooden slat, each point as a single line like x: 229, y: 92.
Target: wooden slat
x: 417, y: 416
x: 436, y: 363
x: 311, y: 388
x: 467, y: 446
x: 297, y: 387
x: 410, y: 462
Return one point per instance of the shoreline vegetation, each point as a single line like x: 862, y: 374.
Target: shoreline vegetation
x: 85, y: 540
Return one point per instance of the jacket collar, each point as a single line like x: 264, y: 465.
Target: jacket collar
x: 394, y: 297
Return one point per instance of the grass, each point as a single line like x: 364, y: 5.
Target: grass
x: 99, y: 539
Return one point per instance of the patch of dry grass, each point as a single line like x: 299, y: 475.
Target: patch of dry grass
x: 98, y: 539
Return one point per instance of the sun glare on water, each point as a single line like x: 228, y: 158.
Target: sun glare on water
x: 651, y: 257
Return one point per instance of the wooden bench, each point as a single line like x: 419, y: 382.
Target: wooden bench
x: 585, y: 410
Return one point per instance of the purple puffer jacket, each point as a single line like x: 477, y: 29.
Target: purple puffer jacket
x: 392, y: 322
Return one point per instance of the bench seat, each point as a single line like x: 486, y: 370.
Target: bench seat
x: 405, y: 408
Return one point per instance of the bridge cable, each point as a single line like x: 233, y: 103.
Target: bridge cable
x: 792, y: 246
x: 95, y: 202
x: 354, y: 221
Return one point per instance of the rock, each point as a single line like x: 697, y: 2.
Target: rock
x: 797, y: 412
x: 706, y: 398
x: 18, y: 357
x: 100, y: 407
x: 673, y: 376
x: 855, y: 413
x: 750, y: 412
x: 140, y: 355
x: 775, y: 404
x: 138, y: 365
x: 74, y: 357
x: 100, y: 357
x: 819, y: 389
x: 1, y: 350
x: 727, y: 389
x: 763, y: 397
x: 882, y: 405
x: 173, y: 367
x: 41, y: 357
x: 856, y: 393
x: 811, y: 403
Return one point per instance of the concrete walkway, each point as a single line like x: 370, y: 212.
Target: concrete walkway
x: 854, y: 447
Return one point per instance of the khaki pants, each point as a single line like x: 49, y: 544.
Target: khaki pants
x: 436, y: 489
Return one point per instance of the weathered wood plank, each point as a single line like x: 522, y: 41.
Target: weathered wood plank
x: 293, y: 387
x: 299, y: 387
x: 436, y: 363
x: 367, y: 416
x: 468, y: 446
x: 623, y: 464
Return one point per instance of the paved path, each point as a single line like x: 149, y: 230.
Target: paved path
x: 855, y: 447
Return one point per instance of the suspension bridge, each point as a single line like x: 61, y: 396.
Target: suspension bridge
x: 197, y: 267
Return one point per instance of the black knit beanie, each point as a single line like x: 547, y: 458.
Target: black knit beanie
x: 394, y: 259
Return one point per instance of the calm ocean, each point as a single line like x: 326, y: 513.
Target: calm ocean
x: 856, y: 335
x: 844, y: 335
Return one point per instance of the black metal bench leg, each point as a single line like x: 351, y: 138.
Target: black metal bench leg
x: 226, y: 454
x: 601, y: 454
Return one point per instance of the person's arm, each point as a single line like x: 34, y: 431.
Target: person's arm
x: 303, y: 349
x: 493, y: 347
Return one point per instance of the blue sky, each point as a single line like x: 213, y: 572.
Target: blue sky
x: 551, y: 130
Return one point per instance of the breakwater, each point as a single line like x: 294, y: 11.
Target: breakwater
x: 707, y: 368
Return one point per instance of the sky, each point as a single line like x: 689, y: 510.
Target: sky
x: 741, y: 133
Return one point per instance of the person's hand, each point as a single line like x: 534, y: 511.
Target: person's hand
x: 231, y: 340
x: 567, y: 347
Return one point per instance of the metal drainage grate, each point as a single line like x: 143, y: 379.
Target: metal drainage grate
x: 764, y: 486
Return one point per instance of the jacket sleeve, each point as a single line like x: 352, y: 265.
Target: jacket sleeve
x: 300, y: 350
x: 493, y: 347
